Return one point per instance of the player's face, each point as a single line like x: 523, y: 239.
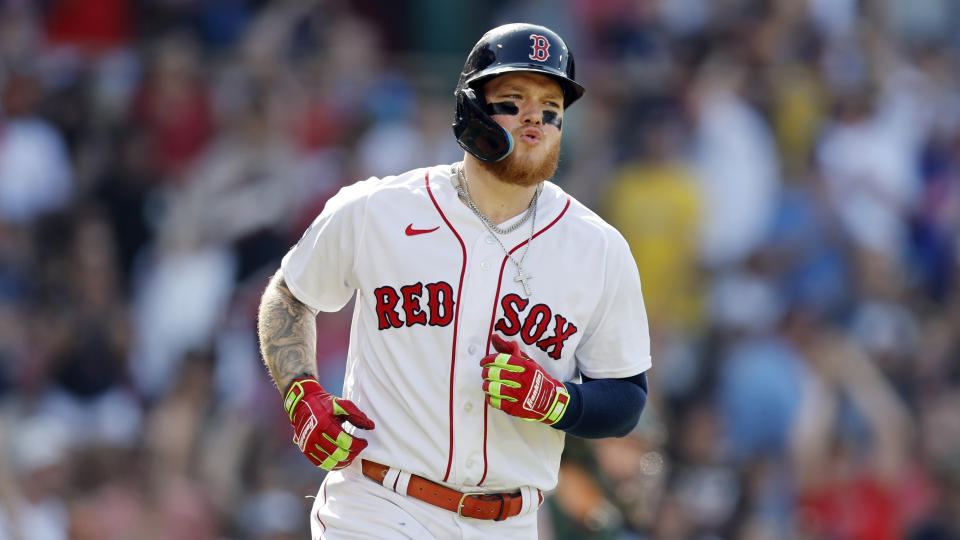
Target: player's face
x: 530, y: 107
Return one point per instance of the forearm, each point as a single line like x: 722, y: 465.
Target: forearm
x: 810, y: 433
x: 604, y: 407
x: 875, y: 398
x: 288, y: 334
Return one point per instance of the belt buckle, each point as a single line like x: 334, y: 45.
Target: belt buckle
x: 463, y: 497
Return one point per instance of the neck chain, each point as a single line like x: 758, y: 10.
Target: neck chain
x: 531, y: 215
x: 464, y: 191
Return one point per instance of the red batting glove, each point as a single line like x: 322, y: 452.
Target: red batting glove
x: 518, y: 386
x: 317, y: 419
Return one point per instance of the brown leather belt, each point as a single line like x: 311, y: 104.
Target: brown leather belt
x: 495, y: 506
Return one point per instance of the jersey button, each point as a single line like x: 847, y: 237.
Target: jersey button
x: 488, y: 239
x: 485, y: 265
x: 472, y: 349
x: 468, y: 407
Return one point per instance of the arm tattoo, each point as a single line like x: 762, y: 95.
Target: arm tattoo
x: 288, y: 334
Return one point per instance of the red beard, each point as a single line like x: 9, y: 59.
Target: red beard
x: 522, y: 171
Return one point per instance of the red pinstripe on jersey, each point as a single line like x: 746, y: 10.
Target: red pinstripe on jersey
x: 320, y: 521
x: 456, y: 317
x: 493, y: 317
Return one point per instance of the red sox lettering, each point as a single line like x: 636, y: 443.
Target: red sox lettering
x: 396, y: 309
x: 534, y: 325
x: 439, y: 305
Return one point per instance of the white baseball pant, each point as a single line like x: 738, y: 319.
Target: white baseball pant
x: 350, y: 506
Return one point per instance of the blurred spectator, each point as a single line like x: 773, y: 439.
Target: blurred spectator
x: 20, y: 34
x: 272, y: 515
x: 90, y: 346
x: 846, y: 487
x: 637, y: 468
x: 870, y: 179
x: 125, y: 192
x: 581, y: 506
x: 703, y: 492
x: 736, y: 166
x: 759, y: 391
x: 35, y: 171
x: 174, y: 106
x: 97, y: 25
x: 164, y: 330
x: 32, y: 506
x: 655, y: 203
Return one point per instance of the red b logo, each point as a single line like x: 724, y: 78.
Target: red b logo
x: 540, y: 46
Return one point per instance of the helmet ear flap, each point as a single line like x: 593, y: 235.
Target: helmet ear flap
x: 476, y: 132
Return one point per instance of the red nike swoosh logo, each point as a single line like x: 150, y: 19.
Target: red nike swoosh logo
x: 412, y: 232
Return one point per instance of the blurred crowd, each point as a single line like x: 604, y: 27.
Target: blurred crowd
x: 787, y: 173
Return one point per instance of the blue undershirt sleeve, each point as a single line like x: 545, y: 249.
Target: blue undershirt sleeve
x: 601, y: 408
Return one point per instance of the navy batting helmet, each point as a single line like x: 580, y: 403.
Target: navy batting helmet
x: 506, y: 49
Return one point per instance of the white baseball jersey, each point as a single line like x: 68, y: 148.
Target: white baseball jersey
x: 432, y: 285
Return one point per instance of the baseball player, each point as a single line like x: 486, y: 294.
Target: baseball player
x: 494, y: 315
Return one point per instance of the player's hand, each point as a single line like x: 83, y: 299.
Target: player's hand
x: 518, y: 386
x: 318, y: 418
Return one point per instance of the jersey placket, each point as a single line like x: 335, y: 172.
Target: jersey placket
x: 479, y: 289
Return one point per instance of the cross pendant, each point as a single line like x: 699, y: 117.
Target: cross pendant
x: 522, y: 278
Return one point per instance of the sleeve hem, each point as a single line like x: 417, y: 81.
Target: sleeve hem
x: 621, y: 372
x: 300, y: 295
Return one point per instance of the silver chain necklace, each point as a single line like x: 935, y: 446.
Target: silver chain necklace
x: 464, y: 190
